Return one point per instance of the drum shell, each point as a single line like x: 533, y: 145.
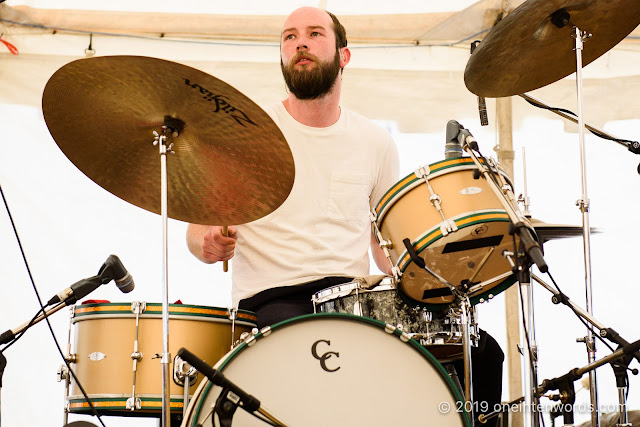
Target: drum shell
x: 406, y: 211
x: 104, y: 336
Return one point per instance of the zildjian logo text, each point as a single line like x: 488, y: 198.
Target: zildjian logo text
x: 221, y: 104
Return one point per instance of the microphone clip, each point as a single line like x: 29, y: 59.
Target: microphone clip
x: 226, y: 405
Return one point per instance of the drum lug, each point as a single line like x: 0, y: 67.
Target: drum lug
x: 266, y: 331
x: 136, y: 355
x: 134, y: 403
x: 71, y: 358
x: 389, y: 328
x: 63, y: 373
x: 182, y: 370
x: 422, y: 172
x: 138, y: 307
x: 448, y: 226
x: 357, y: 309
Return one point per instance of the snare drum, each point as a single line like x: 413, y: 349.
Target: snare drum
x: 338, y: 370
x: 104, y: 349
x: 439, y: 331
x: 461, y: 241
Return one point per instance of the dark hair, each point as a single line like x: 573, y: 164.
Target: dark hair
x: 338, y: 29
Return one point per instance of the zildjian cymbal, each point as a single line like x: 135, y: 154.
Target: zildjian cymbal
x: 533, y: 45
x: 230, y: 162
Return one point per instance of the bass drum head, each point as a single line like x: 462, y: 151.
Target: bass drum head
x: 335, y: 369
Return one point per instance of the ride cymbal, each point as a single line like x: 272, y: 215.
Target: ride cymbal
x: 231, y: 164
x: 548, y: 232
x: 527, y: 50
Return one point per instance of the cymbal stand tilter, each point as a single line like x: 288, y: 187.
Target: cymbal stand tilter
x: 461, y: 300
x: 620, y: 367
x: 171, y: 128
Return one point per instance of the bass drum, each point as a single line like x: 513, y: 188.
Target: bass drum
x: 335, y: 369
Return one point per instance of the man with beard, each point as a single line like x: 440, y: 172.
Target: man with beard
x: 344, y: 163
x: 320, y: 236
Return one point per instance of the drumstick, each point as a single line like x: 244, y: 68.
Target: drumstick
x: 225, y: 264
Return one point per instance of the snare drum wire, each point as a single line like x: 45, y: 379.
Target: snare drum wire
x: 44, y: 313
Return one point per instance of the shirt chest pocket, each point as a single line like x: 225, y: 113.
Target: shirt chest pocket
x: 348, y: 197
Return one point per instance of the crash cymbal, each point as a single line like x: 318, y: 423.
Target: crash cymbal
x: 547, y: 231
x: 526, y: 50
x: 231, y: 163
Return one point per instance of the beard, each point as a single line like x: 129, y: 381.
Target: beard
x: 311, y: 83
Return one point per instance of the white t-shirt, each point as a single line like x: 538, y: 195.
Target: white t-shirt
x: 323, y: 228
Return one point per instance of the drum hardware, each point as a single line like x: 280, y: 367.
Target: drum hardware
x: 231, y: 396
x: 461, y: 301
x: 185, y: 376
x: 447, y: 226
x: 385, y: 245
x: 528, y: 251
x: 620, y: 367
x: 233, y: 314
x: 545, y: 28
x: 565, y: 383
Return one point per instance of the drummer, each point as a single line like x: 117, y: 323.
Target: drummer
x: 320, y: 236
x: 344, y: 164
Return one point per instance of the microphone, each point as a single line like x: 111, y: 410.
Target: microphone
x: 112, y: 269
x: 482, y: 105
x: 452, y: 147
x: 482, y: 110
x: 248, y: 402
x: 78, y: 290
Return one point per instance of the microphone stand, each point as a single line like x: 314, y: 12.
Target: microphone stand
x: 530, y: 251
x: 565, y: 384
x: 231, y: 396
x: 619, y: 369
x: 461, y: 299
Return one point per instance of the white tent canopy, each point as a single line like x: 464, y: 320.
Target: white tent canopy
x: 410, y: 65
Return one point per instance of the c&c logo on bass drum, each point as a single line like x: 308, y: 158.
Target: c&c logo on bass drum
x: 324, y: 356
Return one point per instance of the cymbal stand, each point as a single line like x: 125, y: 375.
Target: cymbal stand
x: 171, y: 128
x: 605, y: 332
x: 529, y: 346
x: 583, y: 205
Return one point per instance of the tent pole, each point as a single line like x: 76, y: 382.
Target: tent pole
x: 506, y: 156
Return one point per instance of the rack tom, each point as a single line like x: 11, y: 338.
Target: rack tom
x: 456, y: 223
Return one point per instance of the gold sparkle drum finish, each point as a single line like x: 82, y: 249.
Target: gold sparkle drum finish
x: 115, y: 352
x: 440, y: 332
x: 337, y: 370
x: 456, y: 223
